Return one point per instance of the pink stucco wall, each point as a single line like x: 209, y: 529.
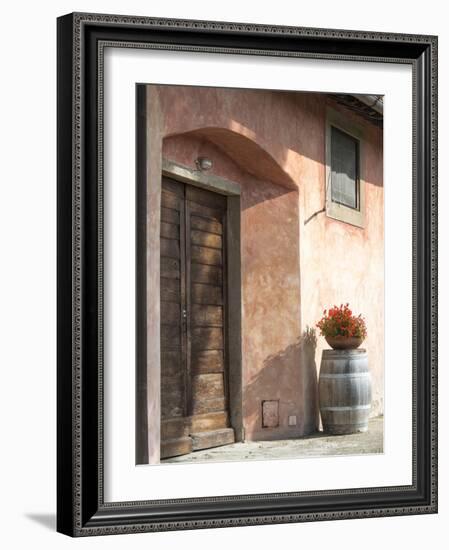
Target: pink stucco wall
x: 296, y: 261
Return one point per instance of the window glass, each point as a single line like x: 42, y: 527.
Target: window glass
x: 344, y: 168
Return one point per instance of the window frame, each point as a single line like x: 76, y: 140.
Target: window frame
x: 336, y: 210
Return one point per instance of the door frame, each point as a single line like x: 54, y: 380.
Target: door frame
x: 150, y: 166
x: 233, y: 328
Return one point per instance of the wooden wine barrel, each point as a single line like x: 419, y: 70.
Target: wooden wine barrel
x: 344, y: 391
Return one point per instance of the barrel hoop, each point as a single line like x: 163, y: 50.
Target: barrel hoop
x: 353, y: 408
x: 347, y: 375
x: 343, y: 354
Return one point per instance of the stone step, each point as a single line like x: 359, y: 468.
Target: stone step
x: 214, y: 438
x: 176, y: 447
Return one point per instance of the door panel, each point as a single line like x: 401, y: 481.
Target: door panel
x: 169, y: 216
x: 206, y: 294
x: 207, y: 361
x: 207, y: 338
x: 208, y: 386
x: 208, y: 274
x: 203, y: 238
x: 207, y: 315
x: 207, y: 256
x: 205, y: 224
x: 170, y: 361
x: 193, y: 309
x: 170, y: 248
x: 173, y: 396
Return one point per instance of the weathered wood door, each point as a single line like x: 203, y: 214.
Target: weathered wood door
x: 194, y: 400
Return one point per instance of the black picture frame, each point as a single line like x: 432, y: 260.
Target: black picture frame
x: 81, y: 510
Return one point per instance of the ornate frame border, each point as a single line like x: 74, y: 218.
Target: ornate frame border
x: 81, y: 42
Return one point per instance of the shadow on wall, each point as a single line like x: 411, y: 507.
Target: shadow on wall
x: 311, y: 402
x: 281, y: 122
x: 234, y: 155
x: 289, y: 376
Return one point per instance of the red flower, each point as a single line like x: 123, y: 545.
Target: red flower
x: 340, y: 321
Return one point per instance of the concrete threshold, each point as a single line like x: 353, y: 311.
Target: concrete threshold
x: 315, y: 445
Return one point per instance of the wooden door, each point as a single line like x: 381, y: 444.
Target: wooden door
x: 194, y: 402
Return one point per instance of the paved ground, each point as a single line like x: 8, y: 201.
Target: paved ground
x: 370, y: 442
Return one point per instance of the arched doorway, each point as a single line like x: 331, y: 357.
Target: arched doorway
x: 253, y: 391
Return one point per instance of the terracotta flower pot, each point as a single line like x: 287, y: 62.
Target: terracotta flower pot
x: 343, y: 342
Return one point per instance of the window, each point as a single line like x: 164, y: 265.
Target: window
x: 344, y: 184
x: 344, y: 168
